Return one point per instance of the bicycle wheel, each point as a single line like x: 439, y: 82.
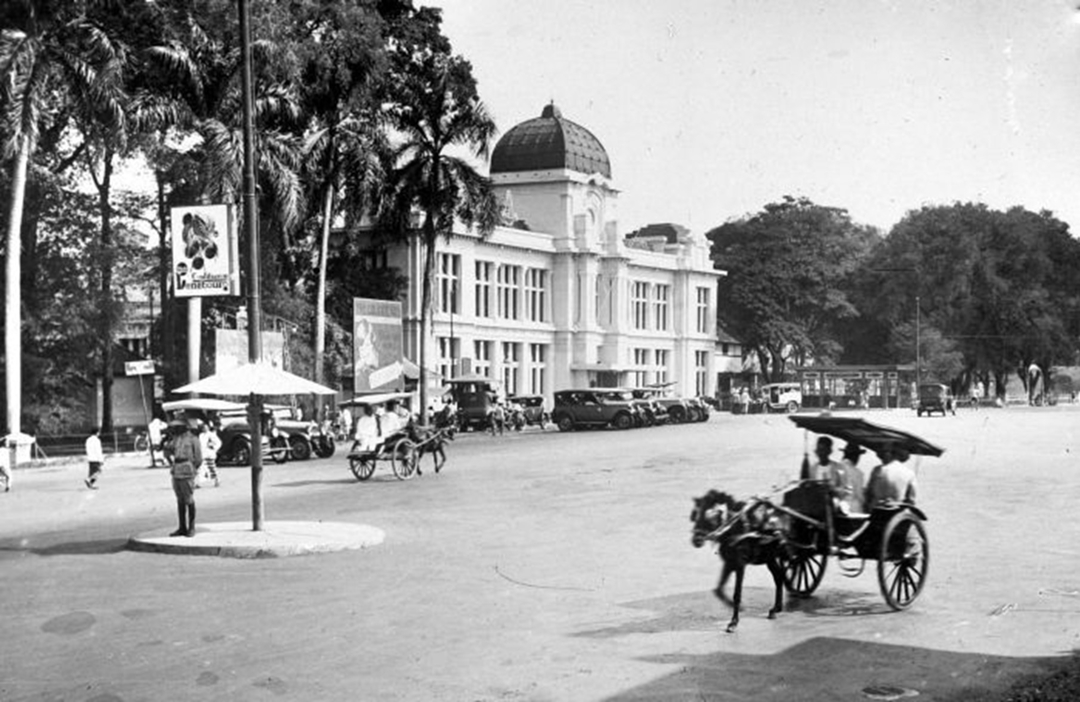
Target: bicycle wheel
x: 142, y: 443
x: 403, y: 459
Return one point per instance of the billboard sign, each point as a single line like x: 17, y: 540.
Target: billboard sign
x: 204, y: 251
x: 378, y: 346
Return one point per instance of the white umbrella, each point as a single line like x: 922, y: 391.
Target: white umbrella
x: 255, y: 379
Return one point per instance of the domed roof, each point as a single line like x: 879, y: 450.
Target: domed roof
x: 550, y: 141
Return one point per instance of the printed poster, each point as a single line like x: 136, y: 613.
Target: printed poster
x: 204, y: 251
x: 378, y: 346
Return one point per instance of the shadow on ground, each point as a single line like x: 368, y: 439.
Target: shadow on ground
x: 820, y: 668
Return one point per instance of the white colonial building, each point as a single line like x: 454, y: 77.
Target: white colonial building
x: 559, y: 297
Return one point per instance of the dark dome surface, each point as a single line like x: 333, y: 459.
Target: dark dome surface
x: 550, y: 141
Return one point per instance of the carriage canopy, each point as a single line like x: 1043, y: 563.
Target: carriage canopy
x: 856, y: 430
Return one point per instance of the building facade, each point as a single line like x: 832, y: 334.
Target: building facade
x: 558, y: 297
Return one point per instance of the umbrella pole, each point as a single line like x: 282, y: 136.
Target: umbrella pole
x: 255, y: 422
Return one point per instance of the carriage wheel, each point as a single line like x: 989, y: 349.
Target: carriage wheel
x: 904, y: 560
x: 362, y: 468
x: 803, y: 572
x: 403, y: 459
x: 279, y: 449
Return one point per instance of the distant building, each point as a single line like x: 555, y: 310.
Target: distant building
x: 558, y: 297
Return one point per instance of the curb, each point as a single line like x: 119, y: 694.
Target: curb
x: 276, y: 540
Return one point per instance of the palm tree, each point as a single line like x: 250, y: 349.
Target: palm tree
x: 49, y: 51
x: 348, y: 153
x: 437, y: 110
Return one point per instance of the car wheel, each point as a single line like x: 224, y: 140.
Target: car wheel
x: 565, y: 423
x: 792, y: 407
x: 242, y: 452
x: 678, y: 415
x: 623, y: 421
x: 299, y: 448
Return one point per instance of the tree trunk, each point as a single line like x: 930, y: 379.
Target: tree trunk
x: 106, y: 293
x: 320, y: 293
x: 429, y: 238
x: 13, y: 294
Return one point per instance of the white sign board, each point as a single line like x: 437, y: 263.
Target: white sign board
x: 204, y: 251
x: 387, y: 374
x: 139, y: 368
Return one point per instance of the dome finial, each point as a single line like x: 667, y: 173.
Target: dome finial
x: 551, y: 111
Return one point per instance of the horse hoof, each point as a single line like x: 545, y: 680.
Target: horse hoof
x: 731, y: 628
x: 772, y: 615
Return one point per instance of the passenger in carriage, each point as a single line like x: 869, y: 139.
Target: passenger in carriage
x: 892, y: 481
x: 847, y: 481
x: 368, y: 430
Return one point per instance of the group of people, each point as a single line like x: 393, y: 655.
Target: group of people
x: 890, y: 481
x: 378, y: 423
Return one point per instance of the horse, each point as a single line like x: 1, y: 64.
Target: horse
x: 747, y: 534
x: 433, y: 440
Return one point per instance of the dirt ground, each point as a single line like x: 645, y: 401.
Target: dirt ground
x: 548, y: 566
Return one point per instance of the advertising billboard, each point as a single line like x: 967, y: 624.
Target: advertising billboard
x: 378, y: 347
x: 204, y: 251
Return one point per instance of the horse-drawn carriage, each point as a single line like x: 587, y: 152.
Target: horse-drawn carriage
x: 796, y: 530
x: 402, y: 448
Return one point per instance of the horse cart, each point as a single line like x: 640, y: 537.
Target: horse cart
x: 795, y: 530
x: 403, y: 448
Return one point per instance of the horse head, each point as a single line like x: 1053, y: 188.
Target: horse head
x: 709, y: 512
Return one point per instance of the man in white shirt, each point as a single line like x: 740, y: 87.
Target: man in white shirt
x: 95, y: 457
x: 892, y: 481
x: 369, y: 433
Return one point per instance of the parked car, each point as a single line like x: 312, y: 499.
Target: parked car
x: 595, y: 407
x: 476, y: 397
x: 679, y: 409
x: 233, y: 430
x: 782, y: 397
x: 304, y: 437
x: 935, y: 397
x: 528, y: 410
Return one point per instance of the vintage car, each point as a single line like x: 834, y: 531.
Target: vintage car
x: 679, y: 409
x: 527, y: 410
x: 233, y: 430
x: 304, y: 437
x: 782, y: 397
x: 476, y: 397
x: 935, y: 397
x: 595, y: 407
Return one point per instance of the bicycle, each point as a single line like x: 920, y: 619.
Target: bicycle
x: 142, y: 442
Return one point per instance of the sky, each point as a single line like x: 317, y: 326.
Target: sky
x: 711, y: 109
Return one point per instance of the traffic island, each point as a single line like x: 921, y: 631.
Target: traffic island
x: 275, y: 540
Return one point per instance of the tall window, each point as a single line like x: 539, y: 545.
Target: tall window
x: 535, y: 294
x: 483, y: 288
x: 661, y: 303
x: 449, y: 352
x: 447, y: 279
x: 537, y: 369
x: 640, y: 374
x: 701, y: 369
x: 639, y: 305
x: 482, y: 357
x: 661, y: 365
x: 509, y: 278
x: 703, y: 310
x: 511, y: 363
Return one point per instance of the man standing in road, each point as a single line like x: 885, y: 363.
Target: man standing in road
x: 95, y: 457
x: 185, y: 459
x: 156, y: 432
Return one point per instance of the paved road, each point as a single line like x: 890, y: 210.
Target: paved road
x: 540, y: 566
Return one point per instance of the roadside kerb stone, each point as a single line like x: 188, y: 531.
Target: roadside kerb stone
x: 276, y: 539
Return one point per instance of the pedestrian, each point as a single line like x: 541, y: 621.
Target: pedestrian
x: 156, y: 433
x: 185, y: 457
x: 95, y: 457
x: 209, y: 443
x: 5, y: 463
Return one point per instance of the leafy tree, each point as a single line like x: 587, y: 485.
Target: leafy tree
x: 342, y: 59
x: 50, y: 52
x: 436, y: 110
x: 786, y: 286
x: 997, y: 288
